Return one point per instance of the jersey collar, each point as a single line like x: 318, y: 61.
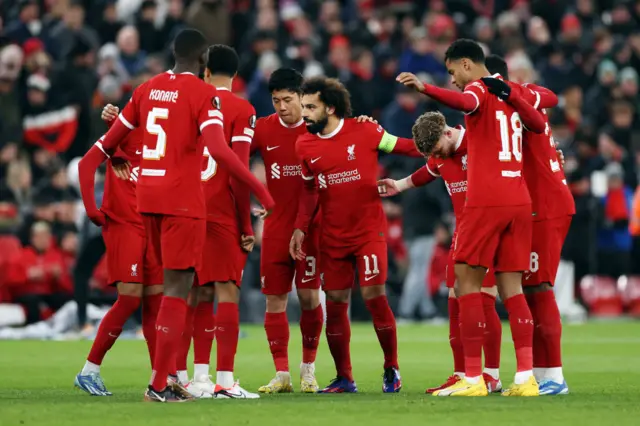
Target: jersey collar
x: 335, y: 132
x: 223, y: 88
x: 460, y: 138
x: 171, y: 72
x: 293, y: 126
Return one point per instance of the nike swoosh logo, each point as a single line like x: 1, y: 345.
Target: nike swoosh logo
x: 161, y: 398
x: 271, y: 148
x: 306, y: 280
x: 138, y: 152
x: 234, y: 395
x: 209, y: 331
x: 114, y: 336
x: 315, y: 159
x: 440, y: 165
x: 371, y: 277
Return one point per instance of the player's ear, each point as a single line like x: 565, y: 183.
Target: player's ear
x: 330, y: 110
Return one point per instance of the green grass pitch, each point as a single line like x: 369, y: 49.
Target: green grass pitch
x: 602, y: 366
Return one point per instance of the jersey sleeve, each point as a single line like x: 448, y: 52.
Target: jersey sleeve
x: 244, y: 125
x: 209, y: 111
x: 479, y: 92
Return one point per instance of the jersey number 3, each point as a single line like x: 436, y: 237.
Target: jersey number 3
x: 511, y: 144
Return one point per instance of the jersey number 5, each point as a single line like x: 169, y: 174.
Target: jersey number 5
x: 153, y: 128
x: 511, y: 146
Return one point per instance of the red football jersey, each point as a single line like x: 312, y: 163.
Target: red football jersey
x: 172, y: 110
x: 545, y: 178
x: 345, y: 166
x: 276, y: 142
x: 119, y: 199
x: 239, y: 124
x: 495, y: 152
x: 453, y: 171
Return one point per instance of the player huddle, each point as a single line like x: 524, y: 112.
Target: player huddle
x: 177, y: 227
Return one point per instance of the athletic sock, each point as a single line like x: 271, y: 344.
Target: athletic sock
x: 492, y: 334
x: 521, y: 323
x: 539, y: 350
x: 227, y: 331
x: 170, y: 324
x: 338, y: 331
x: 472, y: 328
x: 549, y: 322
x: 311, y: 329
x: 111, y: 327
x: 277, y: 329
x: 150, y: 308
x: 204, y: 326
x: 185, y: 343
x: 454, y: 336
x: 385, y: 325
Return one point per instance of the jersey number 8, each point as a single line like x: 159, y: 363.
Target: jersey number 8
x: 511, y: 147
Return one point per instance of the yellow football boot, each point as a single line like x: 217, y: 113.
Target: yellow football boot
x: 308, y: 383
x: 528, y: 388
x: 279, y: 384
x: 464, y: 388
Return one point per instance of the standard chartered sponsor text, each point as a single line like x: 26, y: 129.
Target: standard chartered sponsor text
x: 343, y: 177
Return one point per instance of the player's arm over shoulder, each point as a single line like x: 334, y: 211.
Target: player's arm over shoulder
x: 478, y: 91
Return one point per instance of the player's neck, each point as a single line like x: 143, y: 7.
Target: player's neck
x: 221, y: 81
x: 455, y: 133
x: 180, y: 68
x: 332, y: 125
x: 481, y: 71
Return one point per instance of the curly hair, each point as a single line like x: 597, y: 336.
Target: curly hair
x: 331, y: 92
x: 428, y: 130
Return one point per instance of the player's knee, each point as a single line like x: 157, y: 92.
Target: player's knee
x: 227, y: 292
x: 130, y: 289
x: 372, y: 292
x: 206, y: 294
x: 492, y: 291
x: 178, y: 283
x: 277, y: 303
x: 338, y: 296
x: 531, y: 289
x: 309, y: 299
x: 509, y: 284
x: 152, y: 290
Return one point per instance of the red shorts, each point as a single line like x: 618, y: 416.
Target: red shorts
x: 489, y: 279
x: 546, y: 246
x: 222, y: 257
x: 498, y: 237
x: 176, y: 240
x: 338, y: 267
x: 129, y: 258
x: 278, y: 270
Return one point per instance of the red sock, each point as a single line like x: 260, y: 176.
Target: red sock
x: 493, y: 332
x: 338, y: 331
x: 150, y: 308
x: 111, y: 327
x: 385, y: 325
x: 454, y: 336
x: 204, y: 326
x: 472, y: 328
x: 539, y: 349
x: 277, y: 328
x: 185, y: 341
x: 521, y: 323
x: 311, y: 329
x: 169, y: 327
x: 548, y: 321
x: 227, y: 330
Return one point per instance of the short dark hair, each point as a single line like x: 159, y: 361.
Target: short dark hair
x: 428, y: 130
x: 223, y: 60
x: 465, y: 48
x: 332, y: 93
x: 286, y: 79
x: 189, y: 45
x: 496, y: 64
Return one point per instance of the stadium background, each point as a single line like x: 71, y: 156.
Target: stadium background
x: 61, y: 61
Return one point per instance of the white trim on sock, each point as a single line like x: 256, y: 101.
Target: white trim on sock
x: 183, y: 376
x: 89, y: 368
x: 522, y: 377
x: 200, y: 370
x: 225, y: 379
x: 459, y: 374
x: 539, y: 373
x: 554, y: 374
x: 493, y: 372
x: 473, y: 380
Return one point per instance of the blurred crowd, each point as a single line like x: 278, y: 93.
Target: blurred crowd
x: 61, y: 61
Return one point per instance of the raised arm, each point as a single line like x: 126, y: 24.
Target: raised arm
x: 465, y: 101
x: 545, y: 97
